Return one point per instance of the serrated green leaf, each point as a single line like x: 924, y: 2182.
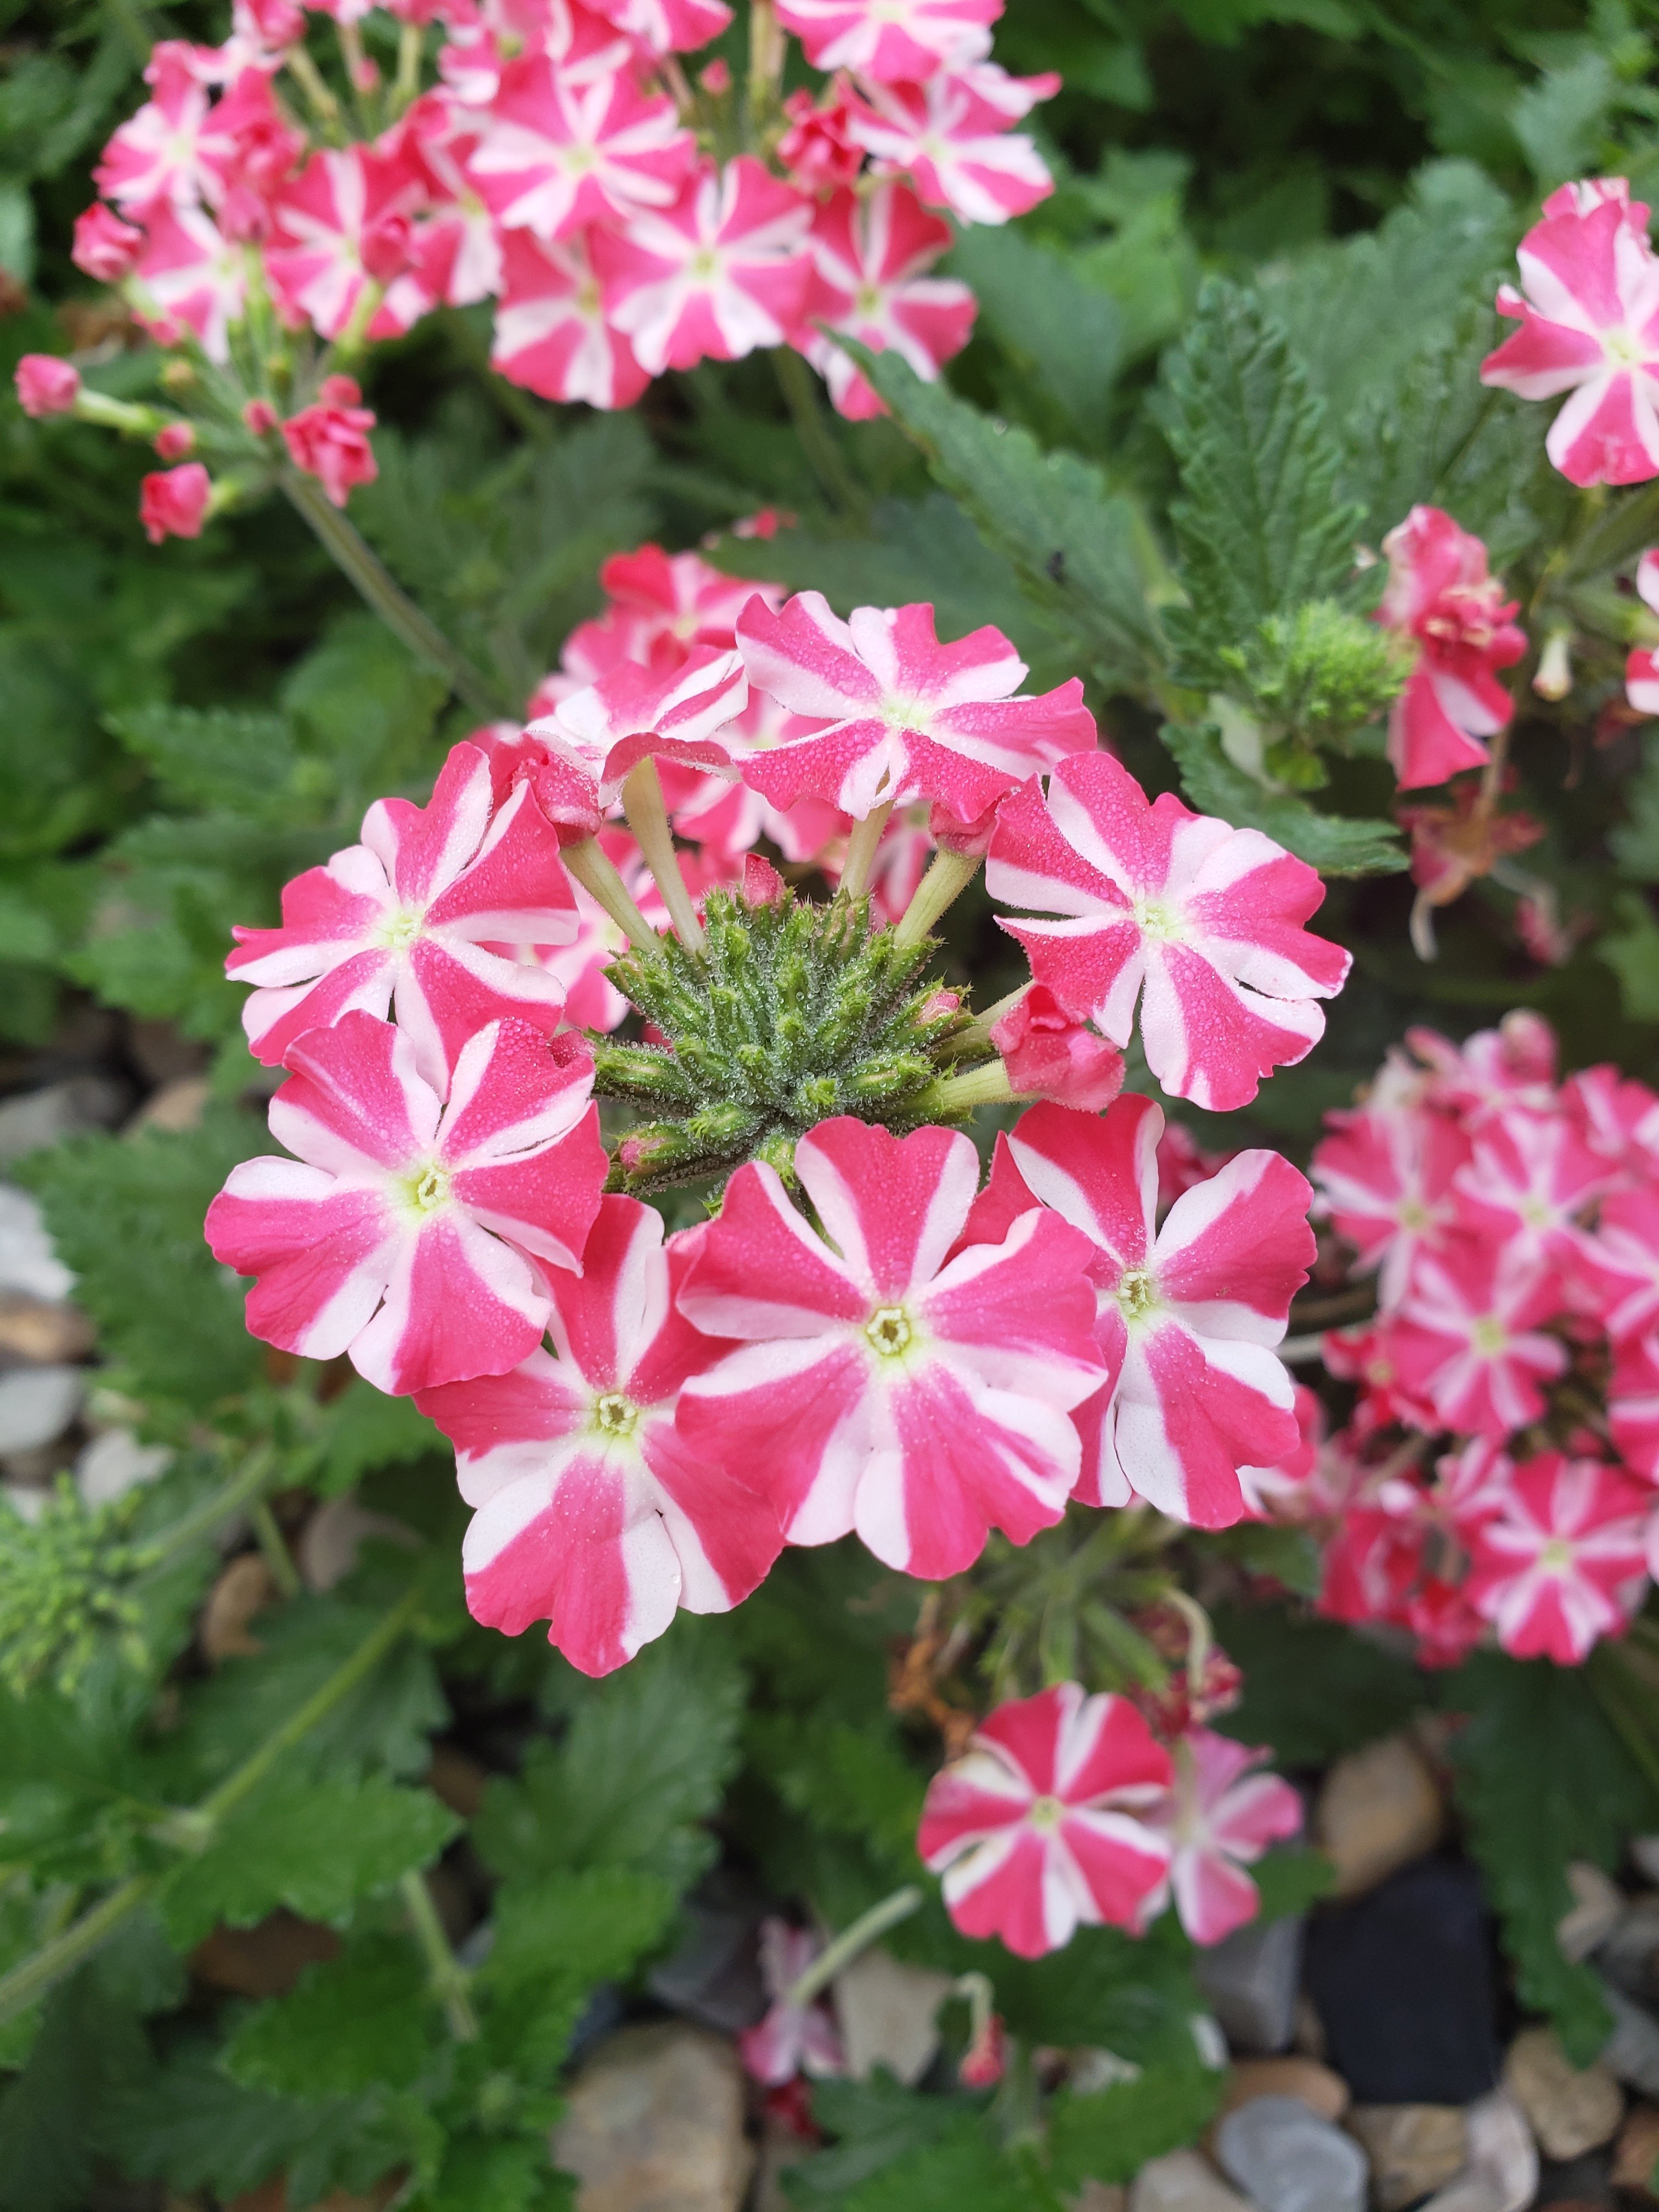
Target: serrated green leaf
x: 1047, y: 319
x: 1543, y: 1779
x: 1108, y: 2135
x: 1312, y: 1688
x: 1258, y: 523
x: 54, y: 2116
x: 1335, y: 844
x: 846, y: 1780
x: 187, y: 2122
x: 358, y: 2022
x: 574, y: 1930
x: 876, y: 2126
x: 1289, y: 1880
x: 1078, y: 550
x: 367, y: 1430
x: 216, y: 757
x: 966, y: 2170
x: 315, y: 1847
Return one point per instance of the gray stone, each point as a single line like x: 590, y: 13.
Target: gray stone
x: 1569, y: 2109
x: 1288, y: 2159
x: 37, y: 1404
x: 1182, y: 2182
x: 1644, y: 1850
x: 1412, y: 2149
x: 116, y: 1462
x: 1598, y: 1904
x: 1251, y: 1981
x: 1631, y: 2051
x: 26, y: 1500
x: 1502, y: 2174
x: 1378, y: 1810
x: 713, y: 1975
x: 28, y: 1265
x: 69, y: 1109
x: 654, y: 2123
x: 886, y: 2011
x: 1629, y: 1956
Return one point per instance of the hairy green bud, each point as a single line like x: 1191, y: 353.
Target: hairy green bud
x: 1311, y: 678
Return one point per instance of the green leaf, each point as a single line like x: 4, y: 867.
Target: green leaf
x: 1258, y: 523
x: 355, y: 2023
x: 367, y: 1430
x: 1635, y: 841
x: 1312, y: 1688
x: 1632, y: 953
x: 217, y: 758
x: 882, y: 2129
x: 126, y: 1213
x: 187, y: 2122
x: 845, y: 1780
x: 964, y: 2170
x: 316, y: 1847
x: 1109, y: 2135
x: 647, y: 1756
x: 576, y: 1929
x: 1542, y: 1779
x: 1560, y: 120
x: 54, y: 2116
x: 1289, y: 1880
x: 1335, y: 844
x: 1047, y: 319
x: 1078, y: 550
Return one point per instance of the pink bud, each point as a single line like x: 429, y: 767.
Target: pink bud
x: 715, y: 80
x: 330, y: 440
x: 172, y: 502
x: 175, y: 440
x: 937, y: 1005
x: 47, y: 385
x: 260, y: 417
x: 986, y: 2059
x: 762, y: 883
x: 1048, y: 1055
x: 340, y: 392
x: 105, y: 246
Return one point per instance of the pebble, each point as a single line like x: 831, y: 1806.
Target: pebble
x: 1378, y: 1809
x: 1095, y: 2197
x: 1631, y: 2051
x: 1630, y: 1955
x: 1403, y: 1982
x: 713, y: 1973
x: 336, y: 1534
x: 1598, y: 1904
x: 264, y: 1961
x: 1644, y: 1850
x: 38, y: 1404
x: 1638, y: 2154
x: 1305, y: 2079
x: 654, y: 2123
x: 116, y: 1462
x: 1570, y: 2111
x: 244, y: 1588
x: 1250, y: 1981
x: 28, y: 1264
x: 43, y: 1330
x: 1287, y: 2160
x: 1412, y: 2149
x: 886, y: 2010
x: 1182, y: 2182
x: 69, y: 1109
x: 176, y: 1106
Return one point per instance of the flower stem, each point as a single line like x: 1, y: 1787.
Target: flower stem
x: 594, y: 870
x: 851, y: 1942
x: 960, y: 1094
x: 765, y: 66
x: 358, y: 561
x: 861, y: 852
x: 242, y: 1489
x: 29, y: 1981
x: 277, y: 1556
x: 948, y: 876
x: 818, y: 440
x: 446, y: 1976
x: 648, y: 817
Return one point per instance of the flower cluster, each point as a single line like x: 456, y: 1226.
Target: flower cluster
x: 1497, y: 1472
x: 862, y: 1339
x: 553, y: 157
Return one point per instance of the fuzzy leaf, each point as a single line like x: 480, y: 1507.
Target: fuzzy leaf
x: 1046, y: 320
x: 877, y: 2126
x: 1335, y: 844
x: 213, y: 759
x: 1109, y: 2135
x: 367, y: 1430
x: 316, y: 1847
x: 356, y: 2023
x: 1312, y: 1688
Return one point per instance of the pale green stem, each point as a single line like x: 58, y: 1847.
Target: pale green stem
x: 987, y: 1018
x: 863, y: 1931
x: 311, y: 81
x: 242, y: 1489
x: 134, y: 422
x: 358, y: 559
x: 765, y: 62
x: 948, y: 876
x: 594, y: 870
x: 407, y: 83
x: 277, y: 1556
x: 29, y: 1981
x: 799, y: 387
x: 648, y: 817
x: 960, y: 1094
x: 446, y: 1976
x: 861, y: 852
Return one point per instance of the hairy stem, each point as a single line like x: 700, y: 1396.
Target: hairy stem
x: 447, y: 1979
x: 648, y: 817
x: 948, y: 876
x: 863, y: 1931
x: 594, y: 870
x: 960, y: 1094
x: 861, y: 852
x: 245, y: 1485
x: 273, y: 1545
x: 29, y: 1981
x: 799, y: 386
x: 357, y: 560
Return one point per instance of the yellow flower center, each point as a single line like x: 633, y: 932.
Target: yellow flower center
x: 888, y: 1331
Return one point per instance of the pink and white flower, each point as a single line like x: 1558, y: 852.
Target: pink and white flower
x: 329, y: 440
x: 667, y: 27
x: 1563, y: 1562
x: 671, y: 602
x: 1468, y: 1337
x: 1633, y: 1406
x: 1528, y: 1184
x: 405, y: 917
x: 590, y: 1512
x: 188, y: 273
x: 46, y: 385
x: 1219, y: 1817
x: 555, y: 155
x: 1207, y: 918
x: 884, y: 1388
x: 954, y: 144
x: 899, y: 715
x: 1440, y: 595
x: 1384, y: 1177
x: 871, y: 255
x: 792, y: 2039
x: 894, y: 41
x: 160, y: 154
x: 1642, y: 664
x: 1041, y: 1825
x: 723, y: 270
x: 174, y: 502
x: 1187, y: 1315
x: 1048, y: 1055
x: 632, y: 716
x: 1618, y: 1263
x: 104, y: 247
x: 1588, y: 310
x: 409, y: 1234
x: 341, y: 225
x: 551, y: 336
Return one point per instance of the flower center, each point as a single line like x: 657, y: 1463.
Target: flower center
x: 1136, y: 1294
x: 1413, y: 1214
x: 1623, y: 347
x: 704, y: 265
x: 1159, y: 921
x: 1046, y: 1813
x: 888, y: 1331
x: 430, y: 1188
x: 904, y: 714
x: 613, y: 1416
x: 1556, y: 1558
x: 1488, y: 1336
x: 867, y: 300
x: 401, y: 932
